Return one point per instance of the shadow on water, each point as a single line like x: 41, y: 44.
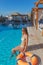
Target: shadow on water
x: 35, y: 47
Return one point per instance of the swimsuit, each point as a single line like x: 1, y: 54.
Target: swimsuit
x: 22, y: 44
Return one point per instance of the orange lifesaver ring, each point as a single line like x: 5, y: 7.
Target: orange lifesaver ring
x: 33, y: 59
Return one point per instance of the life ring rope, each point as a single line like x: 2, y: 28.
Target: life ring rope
x: 33, y: 59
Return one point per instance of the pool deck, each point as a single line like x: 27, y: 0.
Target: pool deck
x: 36, y: 43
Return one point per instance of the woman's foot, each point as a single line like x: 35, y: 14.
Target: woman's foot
x: 13, y: 52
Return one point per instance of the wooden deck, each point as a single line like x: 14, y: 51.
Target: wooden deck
x: 36, y: 43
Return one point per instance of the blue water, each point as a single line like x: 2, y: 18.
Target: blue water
x: 9, y: 38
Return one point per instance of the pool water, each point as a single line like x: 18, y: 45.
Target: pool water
x: 9, y: 38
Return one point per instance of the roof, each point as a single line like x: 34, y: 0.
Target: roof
x: 15, y: 13
x: 18, y: 14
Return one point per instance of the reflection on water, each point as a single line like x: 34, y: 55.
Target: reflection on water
x: 15, y: 26
x: 5, y: 28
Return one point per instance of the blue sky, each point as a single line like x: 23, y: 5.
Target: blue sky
x: 10, y: 6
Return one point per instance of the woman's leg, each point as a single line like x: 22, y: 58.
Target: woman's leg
x: 18, y: 48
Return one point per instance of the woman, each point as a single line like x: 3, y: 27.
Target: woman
x: 24, y: 43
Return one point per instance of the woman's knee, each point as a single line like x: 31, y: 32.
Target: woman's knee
x: 13, y: 50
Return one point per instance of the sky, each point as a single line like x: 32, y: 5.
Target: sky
x: 21, y: 6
